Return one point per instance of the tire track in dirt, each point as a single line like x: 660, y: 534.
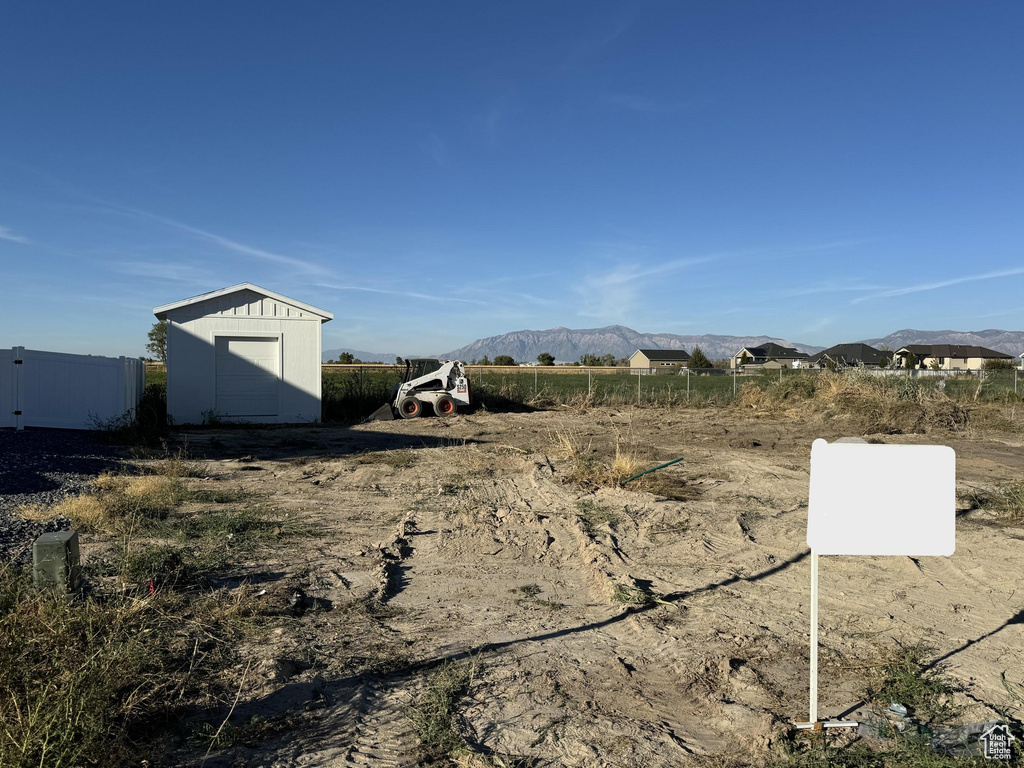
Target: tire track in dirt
x: 383, y: 734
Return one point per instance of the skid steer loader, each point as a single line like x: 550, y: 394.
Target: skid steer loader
x: 442, y: 385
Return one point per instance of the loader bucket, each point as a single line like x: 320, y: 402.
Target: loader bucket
x: 384, y: 413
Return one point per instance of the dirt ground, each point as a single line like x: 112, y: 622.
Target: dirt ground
x: 481, y: 551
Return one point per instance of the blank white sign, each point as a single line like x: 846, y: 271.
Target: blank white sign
x: 882, y: 499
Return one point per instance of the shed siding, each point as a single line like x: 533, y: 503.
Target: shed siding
x: 192, y: 341
x: 242, y: 304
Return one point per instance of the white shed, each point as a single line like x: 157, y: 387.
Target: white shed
x: 243, y: 354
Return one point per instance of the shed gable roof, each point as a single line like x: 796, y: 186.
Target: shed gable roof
x: 225, y: 300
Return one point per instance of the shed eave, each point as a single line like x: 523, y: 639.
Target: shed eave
x: 162, y: 311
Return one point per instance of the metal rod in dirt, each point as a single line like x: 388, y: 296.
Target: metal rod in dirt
x: 653, y: 469
x: 687, y: 385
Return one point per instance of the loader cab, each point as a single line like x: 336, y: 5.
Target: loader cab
x: 420, y: 366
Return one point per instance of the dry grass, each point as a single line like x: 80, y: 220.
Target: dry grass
x: 625, y: 464
x: 890, y: 405
x: 590, y: 468
x: 116, y: 499
x: 86, y: 512
x: 179, y: 464
x: 91, y: 678
x: 434, y: 711
x: 1007, y: 501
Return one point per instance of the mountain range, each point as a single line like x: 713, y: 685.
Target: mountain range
x: 1010, y: 342
x: 568, y: 344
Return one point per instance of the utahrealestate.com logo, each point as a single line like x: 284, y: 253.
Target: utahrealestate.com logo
x: 996, y: 743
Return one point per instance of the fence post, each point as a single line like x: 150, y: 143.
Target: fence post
x: 687, y: 385
x: 780, y: 374
x: 589, y: 385
x: 1015, y: 381
x: 17, y: 400
x: 638, y: 386
x: 534, y: 382
x: 734, y: 370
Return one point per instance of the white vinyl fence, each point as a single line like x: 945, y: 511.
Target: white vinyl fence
x: 52, y: 389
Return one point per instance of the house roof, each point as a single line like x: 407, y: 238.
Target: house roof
x: 771, y: 349
x: 162, y: 310
x: 664, y: 354
x: 850, y: 354
x: 952, y: 350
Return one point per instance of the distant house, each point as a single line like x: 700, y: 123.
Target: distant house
x: 949, y: 357
x: 845, y: 355
x: 655, y: 360
x: 787, y: 357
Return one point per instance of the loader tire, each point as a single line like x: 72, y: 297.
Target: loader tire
x: 410, y: 408
x: 445, y: 406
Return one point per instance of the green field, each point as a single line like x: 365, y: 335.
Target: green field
x: 535, y: 386
x: 351, y: 394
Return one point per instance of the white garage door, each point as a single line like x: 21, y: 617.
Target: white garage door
x: 248, y: 376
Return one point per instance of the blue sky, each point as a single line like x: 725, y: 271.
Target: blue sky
x: 437, y: 172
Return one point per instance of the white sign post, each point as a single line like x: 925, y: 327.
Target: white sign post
x: 875, y: 500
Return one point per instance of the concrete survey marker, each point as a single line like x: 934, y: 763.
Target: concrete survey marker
x: 882, y: 499
x: 56, y: 562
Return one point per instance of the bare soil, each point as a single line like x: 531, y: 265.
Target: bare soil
x: 462, y: 539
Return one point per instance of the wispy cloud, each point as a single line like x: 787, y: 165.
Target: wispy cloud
x: 510, y: 297
x: 920, y: 287
x: 614, y: 294
x: 226, y: 243
x: 12, y: 237
x: 172, y: 271
x: 409, y: 294
x: 845, y: 286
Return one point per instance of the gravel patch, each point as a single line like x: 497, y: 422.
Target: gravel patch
x: 41, y: 467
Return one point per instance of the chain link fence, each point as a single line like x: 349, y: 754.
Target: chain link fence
x: 352, y: 392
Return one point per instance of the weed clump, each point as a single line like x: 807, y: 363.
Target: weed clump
x: 590, y: 469
x: 906, y: 678
x: 594, y: 515
x: 434, y: 711
x: 1007, y: 501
